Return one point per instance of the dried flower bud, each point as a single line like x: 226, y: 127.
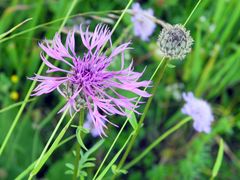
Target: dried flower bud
x: 175, y: 42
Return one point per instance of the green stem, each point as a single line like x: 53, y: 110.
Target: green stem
x: 78, y: 147
x: 126, y: 121
x: 113, y: 160
x: 156, y: 142
x: 118, y: 21
x: 194, y: 9
x: 15, y: 121
x: 154, y: 90
x: 49, y: 141
x: 148, y: 103
x: 54, y: 145
x: 31, y: 166
x: 15, y: 105
x: 115, y: 26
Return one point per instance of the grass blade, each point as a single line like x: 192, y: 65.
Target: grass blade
x: 14, y: 28
x: 218, y: 162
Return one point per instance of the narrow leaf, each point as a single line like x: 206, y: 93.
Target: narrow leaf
x: 218, y: 162
x: 132, y: 119
x: 80, y: 141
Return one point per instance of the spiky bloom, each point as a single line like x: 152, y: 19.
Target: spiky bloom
x: 200, y: 111
x: 86, y: 82
x: 175, y: 42
x: 143, y: 26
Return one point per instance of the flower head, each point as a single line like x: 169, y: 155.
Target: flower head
x: 175, y: 42
x: 200, y: 111
x: 143, y: 26
x: 86, y: 81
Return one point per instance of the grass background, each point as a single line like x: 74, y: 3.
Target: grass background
x: 211, y: 71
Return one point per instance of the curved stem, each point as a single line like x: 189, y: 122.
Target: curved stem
x: 156, y: 142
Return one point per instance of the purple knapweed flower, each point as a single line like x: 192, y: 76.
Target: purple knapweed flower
x: 143, y: 25
x: 200, y: 111
x: 88, y: 124
x: 86, y: 82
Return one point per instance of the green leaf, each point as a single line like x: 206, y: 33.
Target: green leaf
x: 84, y: 130
x: 69, y: 165
x: 118, y: 171
x: 69, y: 172
x: 79, y: 139
x: 83, y: 173
x: 170, y: 66
x: 218, y: 162
x: 132, y: 119
x: 88, y: 164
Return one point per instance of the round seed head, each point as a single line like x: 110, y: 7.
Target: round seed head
x: 175, y: 42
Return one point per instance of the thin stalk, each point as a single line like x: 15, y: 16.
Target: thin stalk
x: 118, y: 21
x: 156, y: 142
x: 57, y: 20
x: 100, y: 177
x: 14, y: 105
x: 118, y: 135
x: 31, y: 166
x: 14, y: 28
x: 49, y: 141
x: 15, y: 121
x: 51, y: 149
x: 78, y: 147
x: 115, y: 26
x: 194, y: 9
x: 154, y: 90
x: 126, y: 121
x: 41, y: 125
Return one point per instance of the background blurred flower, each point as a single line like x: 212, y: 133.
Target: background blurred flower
x: 87, y: 81
x: 143, y: 26
x: 88, y: 124
x: 14, y: 95
x: 200, y: 111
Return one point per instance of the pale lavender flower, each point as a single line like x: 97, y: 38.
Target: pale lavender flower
x: 88, y: 124
x: 143, y: 26
x: 200, y: 111
x: 86, y: 82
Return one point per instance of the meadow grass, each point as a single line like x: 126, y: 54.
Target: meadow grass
x: 211, y: 71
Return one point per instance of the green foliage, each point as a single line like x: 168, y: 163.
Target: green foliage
x: 211, y: 71
x: 85, y: 162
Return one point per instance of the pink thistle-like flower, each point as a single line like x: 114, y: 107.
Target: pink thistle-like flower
x: 86, y: 82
